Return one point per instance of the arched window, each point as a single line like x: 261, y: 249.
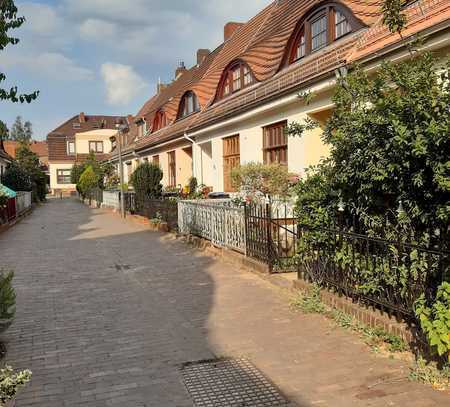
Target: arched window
x: 320, y: 28
x: 159, y: 121
x: 188, y: 105
x: 237, y: 76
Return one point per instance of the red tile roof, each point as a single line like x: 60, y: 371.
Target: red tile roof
x: 262, y: 43
x: 40, y: 148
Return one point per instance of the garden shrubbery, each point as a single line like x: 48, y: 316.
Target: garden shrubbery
x: 257, y: 179
x: 146, y: 181
x: 389, y: 173
x: 26, y: 174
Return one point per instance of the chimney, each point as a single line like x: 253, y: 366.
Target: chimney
x: 81, y: 118
x: 230, y: 29
x: 180, y: 70
x: 130, y: 119
x: 201, y: 55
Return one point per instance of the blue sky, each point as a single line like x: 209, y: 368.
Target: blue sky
x: 105, y: 56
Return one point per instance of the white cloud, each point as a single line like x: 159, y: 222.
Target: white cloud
x: 94, y: 29
x: 51, y: 65
x: 122, y: 83
x: 41, y: 19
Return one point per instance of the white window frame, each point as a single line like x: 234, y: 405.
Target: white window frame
x: 74, y: 148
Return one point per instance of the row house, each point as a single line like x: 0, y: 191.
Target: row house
x: 73, y: 141
x: 233, y: 106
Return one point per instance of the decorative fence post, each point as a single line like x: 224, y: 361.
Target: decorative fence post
x: 269, y: 236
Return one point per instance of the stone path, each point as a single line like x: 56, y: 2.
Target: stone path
x: 107, y: 312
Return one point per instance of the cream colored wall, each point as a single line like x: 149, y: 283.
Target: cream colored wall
x: 53, y: 167
x: 82, y: 140
x: 164, y: 164
x: 204, y: 169
x: 302, y: 152
x: 183, y: 163
x: 184, y: 166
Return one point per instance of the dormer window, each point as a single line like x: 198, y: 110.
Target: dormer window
x: 76, y: 125
x: 236, y: 77
x: 141, y: 128
x: 301, y: 46
x: 319, y: 33
x: 342, y: 25
x: 188, y: 105
x: 320, y: 28
x: 160, y: 121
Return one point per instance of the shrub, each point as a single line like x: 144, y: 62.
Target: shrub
x: 256, y: 179
x: 435, y: 320
x: 76, y: 172
x: 146, y: 181
x: 7, y: 300
x: 29, y: 162
x: 16, y: 178
x: 10, y: 383
x: 101, y: 170
x: 193, y: 185
x: 88, y: 181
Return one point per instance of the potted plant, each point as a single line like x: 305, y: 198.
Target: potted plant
x: 157, y: 223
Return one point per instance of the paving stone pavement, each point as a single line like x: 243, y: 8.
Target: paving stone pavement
x: 108, y: 311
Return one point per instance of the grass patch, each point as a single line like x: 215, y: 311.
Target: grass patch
x: 429, y: 373
x: 376, y: 338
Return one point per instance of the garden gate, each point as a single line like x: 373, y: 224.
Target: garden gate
x: 272, y: 234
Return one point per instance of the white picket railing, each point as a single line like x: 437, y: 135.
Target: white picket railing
x: 111, y: 199
x: 23, y: 202
x: 218, y: 221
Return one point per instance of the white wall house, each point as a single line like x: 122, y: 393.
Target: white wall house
x: 97, y: 141
x: 212, y: 161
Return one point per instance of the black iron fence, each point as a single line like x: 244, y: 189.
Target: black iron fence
x: 163, y: 209
x: 391, y: 274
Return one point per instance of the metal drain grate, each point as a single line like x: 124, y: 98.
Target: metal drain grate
x: 229, y: 383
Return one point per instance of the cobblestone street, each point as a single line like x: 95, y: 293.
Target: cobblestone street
x: 107, y: 312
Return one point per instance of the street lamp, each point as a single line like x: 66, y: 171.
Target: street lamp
x: 121, y: 127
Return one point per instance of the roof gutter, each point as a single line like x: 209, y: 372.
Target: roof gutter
x: 174, y: 140
x: 185, y: 135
